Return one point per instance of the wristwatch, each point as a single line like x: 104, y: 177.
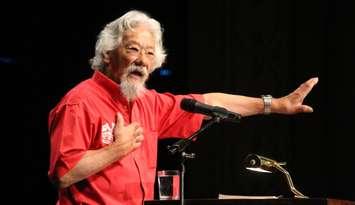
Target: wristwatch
x: 267, y: 103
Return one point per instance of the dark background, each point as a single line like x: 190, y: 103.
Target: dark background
x: 248, y: 47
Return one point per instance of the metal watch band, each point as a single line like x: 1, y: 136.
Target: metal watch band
x: 267, y: 103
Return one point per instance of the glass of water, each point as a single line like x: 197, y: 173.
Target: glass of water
x: 169, y: 184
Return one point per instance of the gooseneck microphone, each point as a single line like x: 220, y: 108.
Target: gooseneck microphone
x: 191, y: 105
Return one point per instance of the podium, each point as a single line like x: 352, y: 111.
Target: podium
x: 281, y: 201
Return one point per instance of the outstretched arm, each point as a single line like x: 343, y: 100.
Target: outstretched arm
x: 247, y: 106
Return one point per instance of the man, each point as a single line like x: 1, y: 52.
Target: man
x: 104, y: 131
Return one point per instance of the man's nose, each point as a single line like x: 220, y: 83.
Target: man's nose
x: 142, y: 60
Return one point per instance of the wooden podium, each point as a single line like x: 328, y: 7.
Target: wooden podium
x: 281, y: 201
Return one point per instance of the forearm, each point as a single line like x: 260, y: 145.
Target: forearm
x: 92, y: 162
x: 243, y: 105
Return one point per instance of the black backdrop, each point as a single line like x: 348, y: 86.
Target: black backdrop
x: 249, y: 47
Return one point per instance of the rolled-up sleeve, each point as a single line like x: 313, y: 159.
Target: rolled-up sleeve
x: 173, y: 121
x: 69, y: 130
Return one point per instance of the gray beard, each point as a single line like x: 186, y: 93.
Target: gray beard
x: 132, y: 90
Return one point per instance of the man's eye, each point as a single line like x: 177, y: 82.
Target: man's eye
x: 151, y: 53
x: 135, y: 49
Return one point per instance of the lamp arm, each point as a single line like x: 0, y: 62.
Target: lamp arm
x: 289, y: 181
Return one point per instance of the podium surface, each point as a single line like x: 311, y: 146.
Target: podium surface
x: 281, y: 201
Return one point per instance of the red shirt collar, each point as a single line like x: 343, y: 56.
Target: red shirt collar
x: 110, y: 86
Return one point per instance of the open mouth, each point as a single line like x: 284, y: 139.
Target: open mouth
x: 137, y: 73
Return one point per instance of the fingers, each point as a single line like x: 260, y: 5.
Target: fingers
x: 139, y: 131
x: 119, y: 121
x: 306, y: 87
x: 312, y: 82
x: 305, y: 108
x: 138, y: 141
x: 133, y: 134
x: 138, y: 135
x: 138, y: 138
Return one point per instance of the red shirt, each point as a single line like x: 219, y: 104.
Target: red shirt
x: 84, y: 120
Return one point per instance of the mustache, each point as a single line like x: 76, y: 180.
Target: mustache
x: 138, y: 69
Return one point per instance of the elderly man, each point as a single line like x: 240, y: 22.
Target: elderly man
x: 104, y: 131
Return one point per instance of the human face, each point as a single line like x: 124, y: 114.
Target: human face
x: 133, y: 60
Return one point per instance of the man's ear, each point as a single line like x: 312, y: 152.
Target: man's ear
x: 106, y: 57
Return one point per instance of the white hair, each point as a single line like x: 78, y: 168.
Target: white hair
x: 111, y: 37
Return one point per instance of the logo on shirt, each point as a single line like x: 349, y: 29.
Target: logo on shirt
x: 107, y: 133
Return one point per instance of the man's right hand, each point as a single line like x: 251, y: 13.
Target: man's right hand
x: 129, y: 137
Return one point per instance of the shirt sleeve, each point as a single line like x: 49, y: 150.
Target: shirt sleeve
x: 69, y: 130
x: 172, y: 120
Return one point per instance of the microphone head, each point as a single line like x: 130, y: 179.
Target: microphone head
x: 188, y: 104
x: 194, y: 106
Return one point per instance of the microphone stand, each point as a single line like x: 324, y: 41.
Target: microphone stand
x: 180, y: 147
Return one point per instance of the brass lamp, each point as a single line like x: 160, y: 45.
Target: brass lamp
x: 263, y: 164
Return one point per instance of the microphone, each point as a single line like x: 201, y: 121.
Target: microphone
x: 194, y: 106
